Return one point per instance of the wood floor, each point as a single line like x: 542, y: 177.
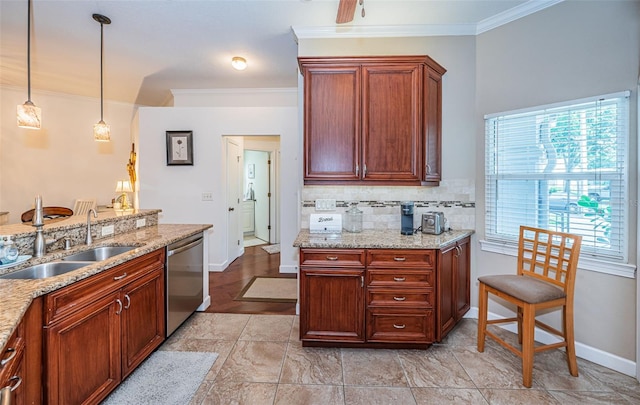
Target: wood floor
x: 226, y: 285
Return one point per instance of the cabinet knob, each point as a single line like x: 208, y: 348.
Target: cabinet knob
x: 399, y: 326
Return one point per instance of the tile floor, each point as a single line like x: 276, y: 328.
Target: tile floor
x: 261, y: 361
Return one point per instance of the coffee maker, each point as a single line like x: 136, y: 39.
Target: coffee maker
x: 406, y: 218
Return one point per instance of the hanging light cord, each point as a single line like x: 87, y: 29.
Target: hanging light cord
x: 101, y: 63
x: 29, y: 51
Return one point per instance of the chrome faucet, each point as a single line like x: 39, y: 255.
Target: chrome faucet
x: 89, y: 239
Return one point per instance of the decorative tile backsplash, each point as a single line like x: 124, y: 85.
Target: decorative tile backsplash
x: 381, y: 205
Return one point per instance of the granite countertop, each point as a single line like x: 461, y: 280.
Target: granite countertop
x: 18, y: 294
x: 379, y: 239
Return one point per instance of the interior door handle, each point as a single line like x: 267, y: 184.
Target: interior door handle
x: 231, y: 208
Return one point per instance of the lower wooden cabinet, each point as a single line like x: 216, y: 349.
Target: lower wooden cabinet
x: 453, y: 286
x: 99, y: 329
x: 382, y: 297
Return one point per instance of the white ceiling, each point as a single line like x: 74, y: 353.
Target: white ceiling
x: 153, y: 46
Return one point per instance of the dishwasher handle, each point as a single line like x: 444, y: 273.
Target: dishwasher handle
x: 185, y: 247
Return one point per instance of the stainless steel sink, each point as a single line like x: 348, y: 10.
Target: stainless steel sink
x: 45, y: 270
x: 99, y: 253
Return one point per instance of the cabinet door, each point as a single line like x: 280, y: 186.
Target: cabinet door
x: 83, y: 353
x: 331, y: 122
x: 143, y: 321
x: 391, y: 127
x: 462, y: 277
x: 446, y: 317
x: 332, y: 305
x: 432, y: 126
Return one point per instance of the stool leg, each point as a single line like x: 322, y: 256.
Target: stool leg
x: 482, y: 315
x: 528, y: 333
x: 567, y: 315
x: 519, y: 316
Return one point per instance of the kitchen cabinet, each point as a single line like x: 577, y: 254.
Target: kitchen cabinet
x: 404, y: 295
x: 453, y: 286
x: 99, y: 329
x: 372, y: 120
x: 332, y: 295
x: 21, y: 360
x: 248, y: 216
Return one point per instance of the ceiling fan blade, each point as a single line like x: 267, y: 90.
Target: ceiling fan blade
x: 346, y: 10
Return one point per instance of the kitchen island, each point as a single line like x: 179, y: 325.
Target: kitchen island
x: 379, y: 288
x: 28, y: 304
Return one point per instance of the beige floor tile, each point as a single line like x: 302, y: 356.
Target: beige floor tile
x: 589, y: 397
x: 378, y: 396
x: 519, y: 397
x: 201, y: 393
x: 294, y: 336
x: 240, y: 393
x: 434, y: 367
x: 442, y: 396
x: 268, y: 328
x: 372, y: 367
x: 311, y: 365
x: 289, y: 394
x: 551, y: 371
x: 218, y: 326
x: 251, y: 361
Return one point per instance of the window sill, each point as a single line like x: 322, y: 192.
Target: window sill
x: 585, y: 263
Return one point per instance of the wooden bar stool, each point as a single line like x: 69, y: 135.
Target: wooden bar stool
x: 547, y: 263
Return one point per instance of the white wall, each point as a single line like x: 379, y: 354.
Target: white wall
x: 568, y: 51
x: 61, y: 161
x: 178, y: 189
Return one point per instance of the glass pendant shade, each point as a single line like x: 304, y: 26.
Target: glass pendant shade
x: 29, y: 116
x: 102, y: 132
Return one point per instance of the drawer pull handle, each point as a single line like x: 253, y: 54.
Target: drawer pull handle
x: 332, y: 258
x: 399, y: 279
x: 399, y: 326
x: 12, y: 353
x: 120, y: 277
x: 128, y: 304
x: 399, y: 259
x: 399, y: 298
x: 13, y: 387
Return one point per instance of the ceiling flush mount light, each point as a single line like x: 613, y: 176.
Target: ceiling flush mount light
x: 28, y: 115
x: 239, y: 63
x: 101, y: 130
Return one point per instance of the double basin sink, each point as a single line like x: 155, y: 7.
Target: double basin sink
x: 68, y: 263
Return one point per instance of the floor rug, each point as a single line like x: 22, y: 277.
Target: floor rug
x: 270, y: 289
x: 271, y: 249
x: 165, y: 378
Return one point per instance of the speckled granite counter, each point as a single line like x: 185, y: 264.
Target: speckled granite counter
x: 16, y: 295
x: 378, y: 239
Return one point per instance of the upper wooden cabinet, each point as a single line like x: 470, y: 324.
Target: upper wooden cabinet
x: 372, y: 120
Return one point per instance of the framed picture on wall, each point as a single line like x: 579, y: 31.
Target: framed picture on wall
x: 179, y: 148
x: 251, y: 171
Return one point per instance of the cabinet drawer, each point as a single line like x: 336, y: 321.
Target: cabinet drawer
x: 400, y: 298
x: 332, y: 257
x: 400, y: 326
x: 77, y: 295
x: 402, y: 279
x: 12, y: 355
x: 401, y: 258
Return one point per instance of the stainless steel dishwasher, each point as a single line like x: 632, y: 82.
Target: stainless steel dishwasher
x: 184, y: 280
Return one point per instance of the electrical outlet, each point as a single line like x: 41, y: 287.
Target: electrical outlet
x: 141, y: 222
x: 107, y: 230
x: 325, y: 204
x: 207, y: 196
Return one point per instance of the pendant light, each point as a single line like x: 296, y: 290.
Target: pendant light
x: 29, y: 116
x: 101, y: 130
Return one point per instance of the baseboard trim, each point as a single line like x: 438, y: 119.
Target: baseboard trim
x: 289, y: 269
x: 205, y: 304
x: 218, y: 267
x: 595, y: 355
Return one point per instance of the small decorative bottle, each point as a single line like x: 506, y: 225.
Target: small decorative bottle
x: 10, y: 251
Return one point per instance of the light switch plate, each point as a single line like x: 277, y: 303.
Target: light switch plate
x: 207, y: 196
x: 141, y: 222
x: 107, y: 230
x: 325, y: 204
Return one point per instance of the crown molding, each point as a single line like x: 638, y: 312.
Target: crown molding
x: 421, y: 30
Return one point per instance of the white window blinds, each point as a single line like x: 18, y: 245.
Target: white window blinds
x: 560, y: 167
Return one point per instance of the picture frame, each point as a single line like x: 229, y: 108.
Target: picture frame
x: 251, y: 171
x: 179, y: 148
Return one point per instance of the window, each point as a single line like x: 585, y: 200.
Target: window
x: 561, y: 167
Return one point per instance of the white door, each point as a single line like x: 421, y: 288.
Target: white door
x: 263, y: 195
x: 234, y: 171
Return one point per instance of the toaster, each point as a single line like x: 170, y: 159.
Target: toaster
x: 433, y: 222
